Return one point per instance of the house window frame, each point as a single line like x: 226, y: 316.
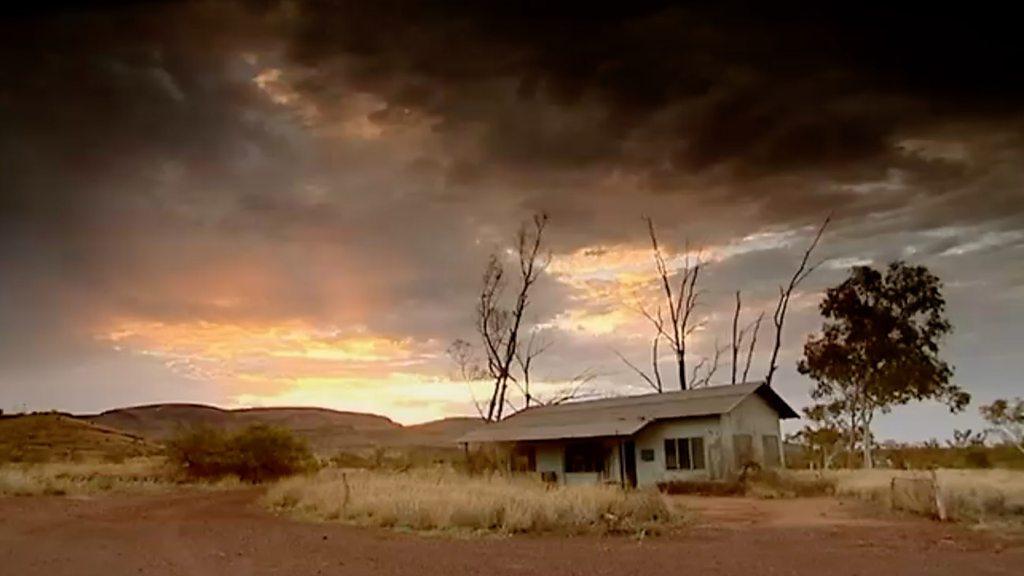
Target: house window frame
x: 684, y: 446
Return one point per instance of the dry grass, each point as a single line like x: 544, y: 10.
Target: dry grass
x: 85, y: 478
x: 975, y: 496
x: 442, y: 499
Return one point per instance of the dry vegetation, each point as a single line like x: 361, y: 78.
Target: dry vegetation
x: 443, y: 499
x: 78, y: 478
x: 973, y: 496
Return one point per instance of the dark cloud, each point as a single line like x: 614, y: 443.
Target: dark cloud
x: 764, y: 88
x: 352, y: 164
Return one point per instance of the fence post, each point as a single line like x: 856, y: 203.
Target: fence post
x: 940, y: 505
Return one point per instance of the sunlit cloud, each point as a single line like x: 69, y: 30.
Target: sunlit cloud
x: 268, y: 358
x: 610, y: 286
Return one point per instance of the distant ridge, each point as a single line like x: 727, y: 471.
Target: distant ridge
x: 327, y: 431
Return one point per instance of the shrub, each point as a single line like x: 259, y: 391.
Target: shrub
x: 702, y: 488
x: 201, y: 452
x: 265, y: 453
x: 255, y: 454
x: 755, y: 482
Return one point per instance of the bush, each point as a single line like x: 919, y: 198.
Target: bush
x: 256, y: 454
x: 702, y: 488
x: 755, y: 482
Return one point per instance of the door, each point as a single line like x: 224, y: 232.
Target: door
x: 629, y: 457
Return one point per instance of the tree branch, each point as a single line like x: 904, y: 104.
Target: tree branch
x: 785, y: 293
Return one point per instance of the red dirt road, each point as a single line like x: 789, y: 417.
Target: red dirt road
x: 226, y: 534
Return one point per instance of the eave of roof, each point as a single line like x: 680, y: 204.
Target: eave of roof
x: 610, y: 417
x: 599, y: 429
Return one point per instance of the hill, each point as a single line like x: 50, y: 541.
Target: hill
x: 327, y: 431
x: 52, y: 436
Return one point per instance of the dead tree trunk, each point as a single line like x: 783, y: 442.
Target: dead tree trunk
x: 500, y: 328
x: 785, y: 293
x: 680, y: 302
x: 753, y: 343
x: 736, y: 337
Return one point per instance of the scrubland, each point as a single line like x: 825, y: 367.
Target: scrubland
x: 442, y: 499
x: 973, y: 496
x: 79, y: 478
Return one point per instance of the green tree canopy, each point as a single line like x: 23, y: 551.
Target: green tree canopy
x: 1007, y: 418
x: 879, y: 346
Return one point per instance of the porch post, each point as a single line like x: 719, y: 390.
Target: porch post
x: 622, y: 464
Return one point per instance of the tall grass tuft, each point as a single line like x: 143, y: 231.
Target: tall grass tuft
x: 442, y: 499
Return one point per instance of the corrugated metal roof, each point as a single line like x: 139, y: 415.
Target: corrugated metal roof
x: 622, y: 416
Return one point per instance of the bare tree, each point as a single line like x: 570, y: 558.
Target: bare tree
x: 680, y: 301
x: 467, y: 368
x: 698, y: 381
x: 499, y: 328
x: 756, y: 327
x: 574, y: 390
x: 524, y: 359
x: 737, y: 338
x: 786, y: 292
x: 654, y: 380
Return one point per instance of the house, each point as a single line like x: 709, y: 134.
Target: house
x: 702, y: 434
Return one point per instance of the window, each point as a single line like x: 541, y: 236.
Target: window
x: 647, y: 455
x: 684, y: 453
x: 584, y: 457
x: 770, y: 443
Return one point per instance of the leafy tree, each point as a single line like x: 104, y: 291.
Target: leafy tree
x: 1007, y: 418
x: 824, y: 433
x: 879, y: 346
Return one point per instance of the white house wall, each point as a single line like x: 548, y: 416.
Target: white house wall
x: 653, y: 438
x: 550, y: 458
x: 753, y: 416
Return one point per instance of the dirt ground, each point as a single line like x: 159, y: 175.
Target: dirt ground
x: 226, y: 534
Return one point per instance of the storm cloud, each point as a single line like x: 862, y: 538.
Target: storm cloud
x: 180, y: 180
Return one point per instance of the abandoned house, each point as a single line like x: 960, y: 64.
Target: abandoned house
x: 702, y: 434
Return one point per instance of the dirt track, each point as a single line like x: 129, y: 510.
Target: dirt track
x: 225, y: 534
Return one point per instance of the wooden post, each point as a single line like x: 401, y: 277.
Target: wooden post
x: 622, y: 464
x: 940, y: 505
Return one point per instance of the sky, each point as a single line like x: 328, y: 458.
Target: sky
x: 292, y: 203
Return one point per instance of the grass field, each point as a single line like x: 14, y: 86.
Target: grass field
x: 145, y: 474
x: 74, y: 478
x: 442, y: 499
x: 974, y: 496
